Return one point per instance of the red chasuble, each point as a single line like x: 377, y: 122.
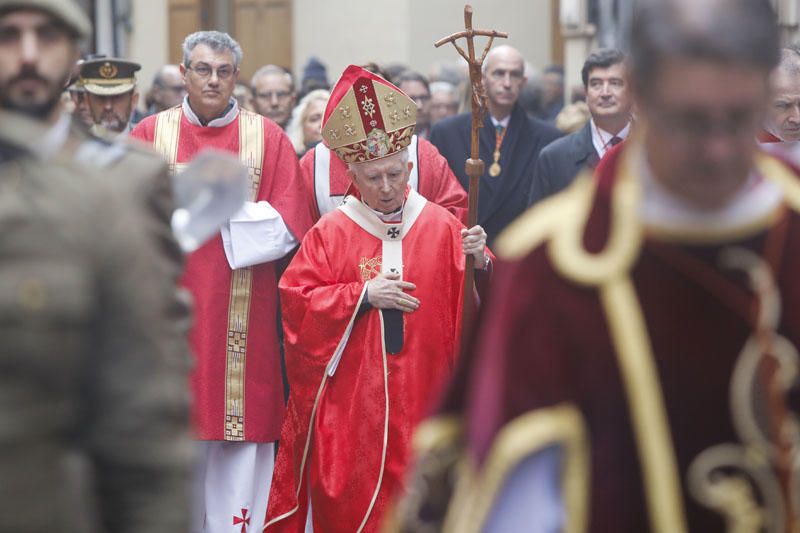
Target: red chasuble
x: 363, y: 409
x: 327, y: 182
x: 237, y: 386
x: 631, y: 348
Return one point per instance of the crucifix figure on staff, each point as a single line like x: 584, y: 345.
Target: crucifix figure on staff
x: 474, y: 166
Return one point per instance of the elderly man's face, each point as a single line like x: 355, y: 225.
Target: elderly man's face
x: 382, y: 183
x: 113, y: 112
x: 209, y: 80
x: 273, y: 97
x: 607, y: 92
x: 700, y: 120
x: 36, y: 57
x: 783, y: 111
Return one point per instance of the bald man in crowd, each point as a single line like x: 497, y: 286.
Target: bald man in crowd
x: 510, y: 142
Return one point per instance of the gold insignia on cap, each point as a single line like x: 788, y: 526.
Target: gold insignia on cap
x: 345, y: 111
x: 108, y: 71
x: 389, y: 99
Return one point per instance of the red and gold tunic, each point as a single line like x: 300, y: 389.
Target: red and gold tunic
x: 237, y: 385
x: 634, y: 348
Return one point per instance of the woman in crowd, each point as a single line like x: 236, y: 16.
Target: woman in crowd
x: 305, y: 126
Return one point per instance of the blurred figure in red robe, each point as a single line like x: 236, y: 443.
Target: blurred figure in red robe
x: 637, y: 365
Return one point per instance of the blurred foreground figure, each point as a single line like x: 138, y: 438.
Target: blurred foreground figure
x: 668, y: 409
x: 90, y: 365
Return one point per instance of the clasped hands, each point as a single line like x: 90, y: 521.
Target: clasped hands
x: 388, y: 291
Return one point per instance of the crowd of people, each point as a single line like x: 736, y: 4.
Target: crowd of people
x: 632, y: 365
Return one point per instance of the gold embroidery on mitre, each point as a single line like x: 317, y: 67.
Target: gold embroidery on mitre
x: 368, y: 105
x: 390, y: 99
x: 369, y: 268
x: 108, y: 71
x: 345, y: 112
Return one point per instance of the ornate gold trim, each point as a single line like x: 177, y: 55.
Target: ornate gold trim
x: 251, y: 154
x: 167, y: 131
x: 539, y: 222
x: 645, y: 402
x: 436, y: 432
x: 777, y: 172
x: 567, y: 251
x: 561, y: 425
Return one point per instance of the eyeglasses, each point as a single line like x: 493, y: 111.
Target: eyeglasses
x: 739, y: 124
x: 269, y: 95
x: 204, y: 71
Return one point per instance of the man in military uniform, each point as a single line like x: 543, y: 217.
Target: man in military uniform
x: 111, y: 92
x: 89, y: 360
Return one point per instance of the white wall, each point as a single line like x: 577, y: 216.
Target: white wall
x: 341, y: 32
x: 148, y: 40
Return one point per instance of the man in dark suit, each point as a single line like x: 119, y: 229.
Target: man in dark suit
x: 510, y: 142
x: 610, y: 103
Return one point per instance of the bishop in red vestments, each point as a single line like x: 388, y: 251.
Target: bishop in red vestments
x: 637, y: 366
x: 237, y: 385
x: 372, y: 315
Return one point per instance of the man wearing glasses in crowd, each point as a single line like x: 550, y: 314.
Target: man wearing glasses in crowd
x: 237, y: 387
x: 273, y: 94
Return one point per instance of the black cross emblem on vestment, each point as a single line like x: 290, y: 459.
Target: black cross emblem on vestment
x: 393, y: 233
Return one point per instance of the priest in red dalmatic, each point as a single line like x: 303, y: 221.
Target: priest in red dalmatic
x: 372, y: 316
x: 637, y: 367
x: 237, y: 385
x: 327, y: 182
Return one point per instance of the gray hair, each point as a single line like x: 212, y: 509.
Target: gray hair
x: 272, y: 70
x: 294, y: 130
x: 736, y: 32
x: 216, y: 40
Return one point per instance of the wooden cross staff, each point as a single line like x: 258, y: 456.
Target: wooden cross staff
x: 474, y: 165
